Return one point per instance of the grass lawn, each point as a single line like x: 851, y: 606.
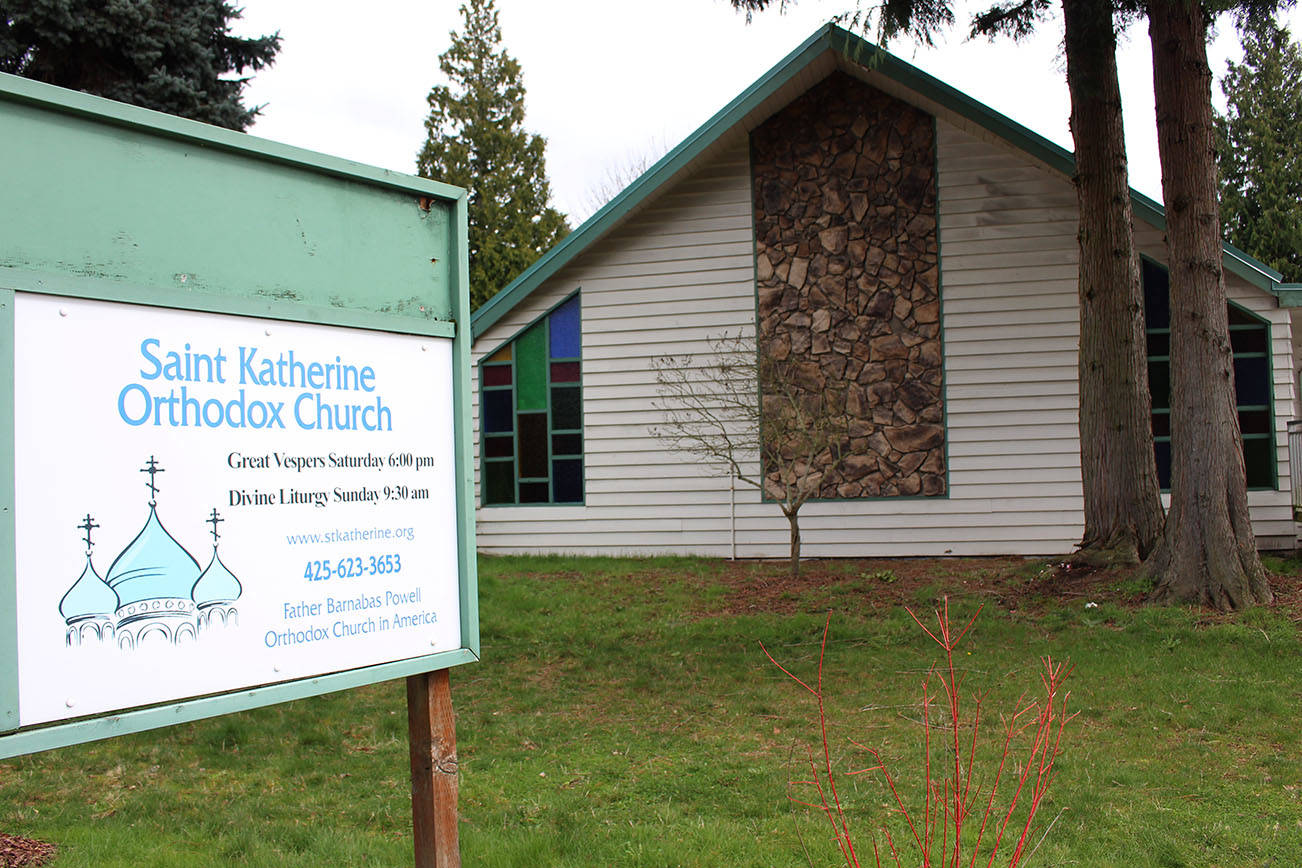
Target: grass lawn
x: 625, y: 715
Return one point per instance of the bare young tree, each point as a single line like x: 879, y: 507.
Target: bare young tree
x: 745, y: 414
x: 618, y: 176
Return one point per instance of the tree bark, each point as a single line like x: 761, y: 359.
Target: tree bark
x: 1207, y: 553
x: 792, y: 520
x: 1123, y: 508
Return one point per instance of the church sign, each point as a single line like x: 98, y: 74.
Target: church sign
x: 268, y: 495
x: 235, y: 393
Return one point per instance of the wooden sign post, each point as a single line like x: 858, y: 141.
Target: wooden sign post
x: 432, y: 731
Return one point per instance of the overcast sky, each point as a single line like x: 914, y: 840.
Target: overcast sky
x: 610, y: 81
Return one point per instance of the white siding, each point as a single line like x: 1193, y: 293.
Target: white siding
x: 681, y: 271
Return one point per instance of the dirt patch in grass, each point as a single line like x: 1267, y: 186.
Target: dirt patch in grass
x: 1288, y: 594
x: 19, y: 852
x: 1011, y: 583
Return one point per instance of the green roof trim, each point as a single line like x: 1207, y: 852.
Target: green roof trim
x: 1290, y: 294
x: 853, y: 49
x: 17, y: 89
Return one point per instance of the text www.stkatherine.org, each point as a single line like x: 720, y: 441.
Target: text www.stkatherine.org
x: 352, y: 534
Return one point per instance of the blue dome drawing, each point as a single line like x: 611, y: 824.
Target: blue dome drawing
x: 88, y: 597
x: 153, y: 566
x: 154, y: 591
x: 216, y: 585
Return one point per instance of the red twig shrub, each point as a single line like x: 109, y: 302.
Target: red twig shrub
x: 961, y: 818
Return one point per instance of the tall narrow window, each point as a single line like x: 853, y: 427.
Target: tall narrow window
x: 1250, y: 343
x: 531, y: 409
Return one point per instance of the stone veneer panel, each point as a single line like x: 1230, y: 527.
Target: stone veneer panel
x: 848, y: 276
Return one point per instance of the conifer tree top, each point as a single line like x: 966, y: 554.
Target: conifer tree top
x: 173, y: 56
x: 1259, y: 148
x: 477, y: 140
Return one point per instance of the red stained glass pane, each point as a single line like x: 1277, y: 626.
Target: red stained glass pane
x: 565, y: 372
x: 533, y: 492
x: 533, y: 446
x: 497, y: 375
x: 499, y: 447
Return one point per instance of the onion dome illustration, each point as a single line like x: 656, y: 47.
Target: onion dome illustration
x: 154, y: 565
x: 217, y: 584
x: 89, y: 596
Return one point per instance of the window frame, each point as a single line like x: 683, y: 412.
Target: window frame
x: 1259, y: 323
x: 548, y: 409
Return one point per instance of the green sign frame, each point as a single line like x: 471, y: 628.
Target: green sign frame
x: 112, y: 202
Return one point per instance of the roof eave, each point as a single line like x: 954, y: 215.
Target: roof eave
x: 1289, y: 294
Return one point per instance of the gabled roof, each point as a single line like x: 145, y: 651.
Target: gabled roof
x: 753, y: 105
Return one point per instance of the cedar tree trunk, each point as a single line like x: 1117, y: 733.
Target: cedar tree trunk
x: 1207, y: 553
x: 1123, y: 510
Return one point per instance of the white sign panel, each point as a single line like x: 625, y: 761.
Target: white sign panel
x: 207, y: 503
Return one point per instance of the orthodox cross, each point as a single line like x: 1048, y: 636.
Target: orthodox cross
x: 87, y: 525
x: 213, y: 520
x: 153, y: 470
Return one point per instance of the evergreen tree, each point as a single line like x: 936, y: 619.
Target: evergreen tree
x: 1208, y: 552
x: 1123, y: 510
x: 168, y: 55
x: 477, y: 140
x: 1259, y: 147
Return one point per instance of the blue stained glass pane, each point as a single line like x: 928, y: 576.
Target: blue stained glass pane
x: 1162, y: 452
x: 1157, y: 301
x: 499, y: 411
x: 567, y: 480
x: 1252, y: 381
x: 564, y: 327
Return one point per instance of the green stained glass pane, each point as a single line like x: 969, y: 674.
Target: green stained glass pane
x: 531, y: 368
x: 499, y: 482
x: 567, y: 409
x: 1259, y: 463
x: 1159, y: 384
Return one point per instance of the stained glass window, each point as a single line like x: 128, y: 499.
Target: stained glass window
x: 1250, y: 343
x: 531, y: 444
